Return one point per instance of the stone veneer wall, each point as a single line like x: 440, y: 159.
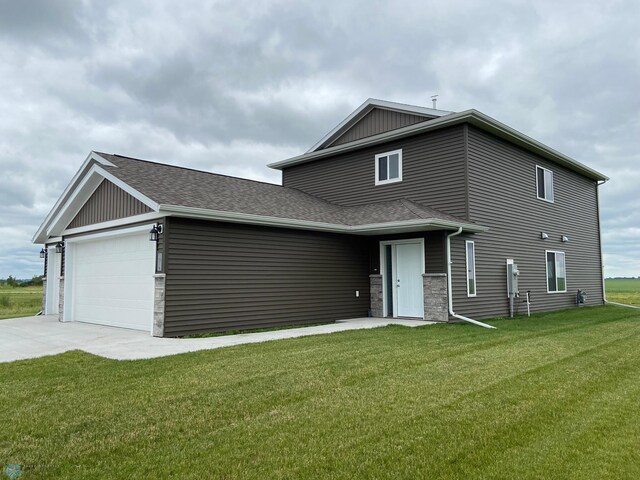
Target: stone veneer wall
x: 375, y: 295
x: 436, y: 302
x: 158, y: 304
x: 44, y: 295
x: 61, y: 301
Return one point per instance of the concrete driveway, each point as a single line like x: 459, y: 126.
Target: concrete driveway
x: 32, y: 337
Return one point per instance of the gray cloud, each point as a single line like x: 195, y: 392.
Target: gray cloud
x: 230, y: 86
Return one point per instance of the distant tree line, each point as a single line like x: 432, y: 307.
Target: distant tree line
x: 11, y: 281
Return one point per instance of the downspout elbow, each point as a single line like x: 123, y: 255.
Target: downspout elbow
x: 450, y: 286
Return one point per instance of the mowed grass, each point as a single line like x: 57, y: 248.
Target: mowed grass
x: 553, y: 396
x: 625, y: 290
x: 19, y: 301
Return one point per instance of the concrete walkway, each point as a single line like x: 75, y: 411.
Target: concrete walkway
x: 32, y: 337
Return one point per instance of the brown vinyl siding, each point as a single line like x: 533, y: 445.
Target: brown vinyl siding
x: 108, y: 202
x: 502, y: 196
x: 378, y: 121
x: 223, y: 276
x: 433, y: 174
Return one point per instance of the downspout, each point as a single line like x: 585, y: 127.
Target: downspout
x: 450, y: 285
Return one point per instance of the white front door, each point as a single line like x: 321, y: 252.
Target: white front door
x: 409, y: 269
x: 402, y: 263
x: 52, y: 299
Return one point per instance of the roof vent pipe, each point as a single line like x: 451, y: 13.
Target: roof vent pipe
x: 450, y: 288
x: 434, y: 99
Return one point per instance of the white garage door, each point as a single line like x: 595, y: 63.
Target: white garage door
x: 113, y: 281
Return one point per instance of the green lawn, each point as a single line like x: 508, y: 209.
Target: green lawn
x: 553, y: 396
x: 19, y: 301
x: 623, y: 291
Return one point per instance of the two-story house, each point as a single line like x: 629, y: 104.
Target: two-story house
x: 399, y: 211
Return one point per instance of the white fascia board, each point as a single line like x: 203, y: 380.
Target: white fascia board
x: 369, y: 105
x: 92, y: 158
x: 110, y: 233
x: 369, y: 229
x: 81, y: 193
x: 145, y: 217
x: 474, y: 117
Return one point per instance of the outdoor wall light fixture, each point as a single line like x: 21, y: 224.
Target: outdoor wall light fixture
x: 153, y: 233
x: 543, y: 236
x: 59, y: 247
x: 564, y: 239
x: 42, y: 253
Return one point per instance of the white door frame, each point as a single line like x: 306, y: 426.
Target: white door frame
x: 52, y: 294
x: 69, y: 280
x: 383, y: 264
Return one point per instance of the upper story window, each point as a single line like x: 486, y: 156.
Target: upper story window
x: 544, y: 184
x: 389, y: 167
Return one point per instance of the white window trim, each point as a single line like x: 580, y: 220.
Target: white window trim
x: 475, y: 275
x: 553, y: 190
x: 546, y: 268
x: 393, y: 180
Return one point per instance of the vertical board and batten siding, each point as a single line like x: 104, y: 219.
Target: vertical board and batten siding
x: 223, y: 276
x: 108, y: 202
x: 433, y: 173
x: 502, y: 196
x: 378, y: 121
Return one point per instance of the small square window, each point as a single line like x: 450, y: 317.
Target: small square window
x: 389, y: 167
x: 544, y: 184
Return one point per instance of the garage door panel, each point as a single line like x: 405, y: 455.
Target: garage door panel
x: 113, y: 281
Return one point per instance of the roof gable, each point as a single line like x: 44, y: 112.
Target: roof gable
x: 363, y: 110
x: 378, y: 120
x: 92, y: 173
x: 108, y: 202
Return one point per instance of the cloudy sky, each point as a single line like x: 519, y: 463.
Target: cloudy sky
x: 229, y: 86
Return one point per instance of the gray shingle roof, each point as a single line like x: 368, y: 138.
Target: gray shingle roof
x: 178, y: 186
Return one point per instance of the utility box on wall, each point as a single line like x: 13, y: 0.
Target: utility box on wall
x: 512, y: 283
x: 512, y: 278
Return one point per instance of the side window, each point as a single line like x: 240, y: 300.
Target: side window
x: 389, y: 167
x: 544, y: 184
x: 471, y: 268
x: 556, y: 272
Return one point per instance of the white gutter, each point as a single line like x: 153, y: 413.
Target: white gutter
x: 473, y: 117
x: 366, y: 229
x: 450, y: 286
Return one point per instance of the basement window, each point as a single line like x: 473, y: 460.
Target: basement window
x: 556, y: 272
x: 544, y: 184
x: 389, y: 167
